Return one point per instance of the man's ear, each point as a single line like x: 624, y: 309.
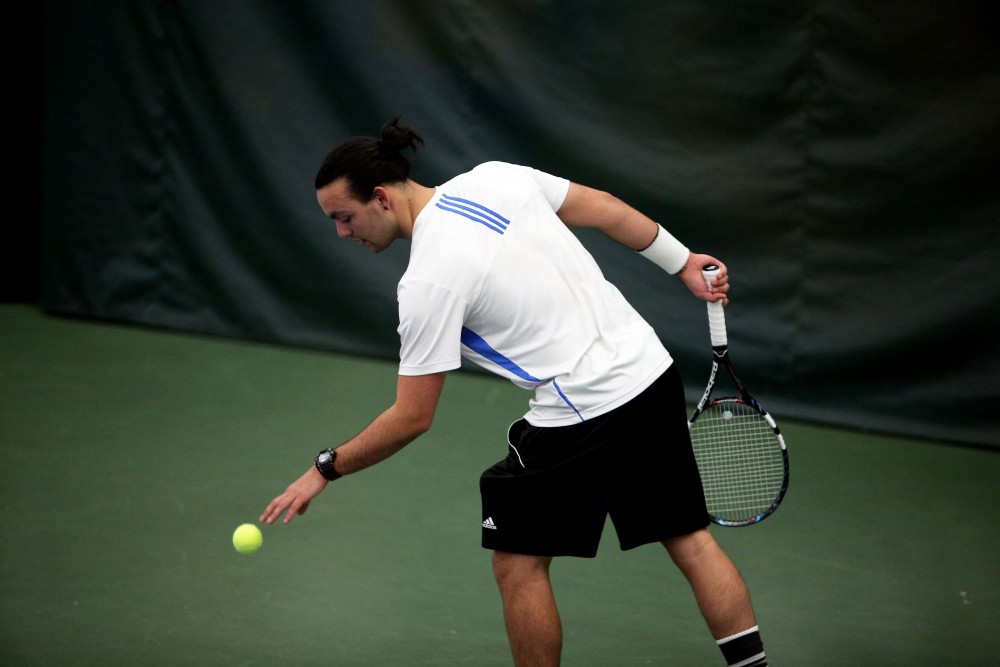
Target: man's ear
x: 381, y: 195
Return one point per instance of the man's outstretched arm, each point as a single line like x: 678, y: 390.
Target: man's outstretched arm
x: 410, y: 416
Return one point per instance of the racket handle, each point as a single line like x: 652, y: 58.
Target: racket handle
x: 716, y: 317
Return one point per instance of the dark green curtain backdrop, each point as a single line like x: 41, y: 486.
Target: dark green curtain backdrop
x: 841, y: 157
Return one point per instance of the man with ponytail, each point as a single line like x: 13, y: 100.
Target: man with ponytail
x: 497, y: 276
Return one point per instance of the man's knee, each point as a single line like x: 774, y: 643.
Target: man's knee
x: 692, y: 546
x: 516, y: 569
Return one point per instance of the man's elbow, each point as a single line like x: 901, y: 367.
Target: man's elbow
x: 418, y: 423
x: 423, y: 424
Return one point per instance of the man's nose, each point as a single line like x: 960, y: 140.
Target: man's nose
x: 342, y: 230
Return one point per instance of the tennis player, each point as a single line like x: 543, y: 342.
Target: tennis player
x: 496, y: 276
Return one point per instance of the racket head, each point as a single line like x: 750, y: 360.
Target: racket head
x: 742, y: 460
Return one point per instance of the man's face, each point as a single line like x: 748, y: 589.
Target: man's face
x: 369, y: 224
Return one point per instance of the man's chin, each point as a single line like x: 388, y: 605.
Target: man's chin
x: 375, y: 248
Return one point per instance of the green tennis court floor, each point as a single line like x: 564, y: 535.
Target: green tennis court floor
x: 129, y: 455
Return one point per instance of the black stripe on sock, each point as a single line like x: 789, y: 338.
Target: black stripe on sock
x: 743, y: 648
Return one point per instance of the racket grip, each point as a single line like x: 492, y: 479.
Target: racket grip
x: 716, y: 316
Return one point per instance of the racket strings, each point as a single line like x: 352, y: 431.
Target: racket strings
x: 740, y: 460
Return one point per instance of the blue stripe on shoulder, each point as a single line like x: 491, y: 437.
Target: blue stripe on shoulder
x: 475, y: 212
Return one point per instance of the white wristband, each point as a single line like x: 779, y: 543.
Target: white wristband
x: 666, y: 252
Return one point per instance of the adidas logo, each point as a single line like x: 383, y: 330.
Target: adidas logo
x: 489, y: 524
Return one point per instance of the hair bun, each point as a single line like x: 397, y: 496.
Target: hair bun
x: 395, y: 138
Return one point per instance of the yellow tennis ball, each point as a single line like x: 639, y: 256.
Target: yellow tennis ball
x: 247, y: 538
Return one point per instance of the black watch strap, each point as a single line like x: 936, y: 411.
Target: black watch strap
x: 324, y: 463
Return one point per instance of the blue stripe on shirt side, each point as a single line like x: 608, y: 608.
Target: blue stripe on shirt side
x: 568, y: 402
x: 475, y: 342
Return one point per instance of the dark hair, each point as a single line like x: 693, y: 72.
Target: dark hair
x: 368, y: 162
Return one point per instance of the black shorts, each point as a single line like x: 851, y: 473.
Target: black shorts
x: 557, y: 486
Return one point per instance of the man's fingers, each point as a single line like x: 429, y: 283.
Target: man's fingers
x: 296, y: 498
x: 269, y: 514
x: 295, y: 507
x: 274, y: 509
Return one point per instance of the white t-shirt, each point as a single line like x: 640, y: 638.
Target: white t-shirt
x: 495, y: 276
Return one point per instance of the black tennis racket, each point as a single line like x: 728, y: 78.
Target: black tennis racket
x: 740, y: 451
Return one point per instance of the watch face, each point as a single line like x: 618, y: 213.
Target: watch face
x: 324, y: 463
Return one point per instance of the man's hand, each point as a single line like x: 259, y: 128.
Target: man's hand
x: 296, y: 497
x: 691, y: 276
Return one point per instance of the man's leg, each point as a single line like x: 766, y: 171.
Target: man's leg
x: 722, y: 596
x: 529, y: 608
x: 718, y: 586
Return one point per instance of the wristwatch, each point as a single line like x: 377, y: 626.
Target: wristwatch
x: 324, y: 463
